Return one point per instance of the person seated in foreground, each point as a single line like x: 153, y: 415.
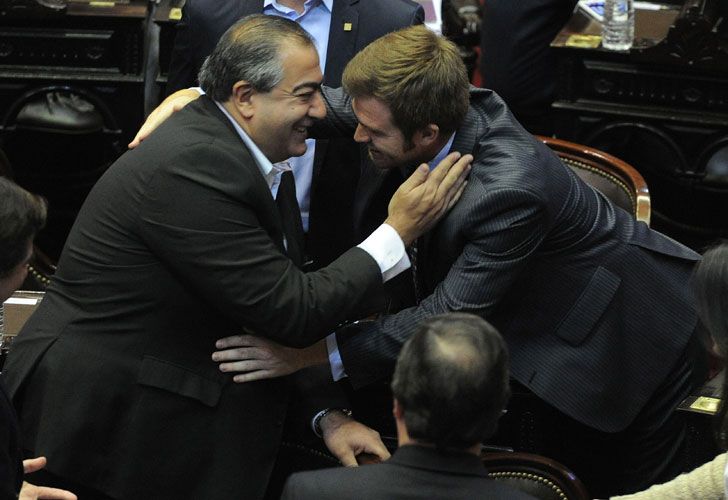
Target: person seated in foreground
x: 22, y: 215
x: 709, y: 481
x: 450, y: 387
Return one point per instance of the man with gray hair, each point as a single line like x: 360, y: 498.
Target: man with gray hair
x: 192, y: 236
x: 450, y: 387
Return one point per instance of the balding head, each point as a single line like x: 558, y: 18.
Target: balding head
x: 451, y: 381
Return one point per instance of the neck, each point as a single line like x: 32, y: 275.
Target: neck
x: 245, y: 125
x: 403, y: 438
x: 438, y: 145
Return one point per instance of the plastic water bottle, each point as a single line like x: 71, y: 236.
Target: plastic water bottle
x: 618, y: 26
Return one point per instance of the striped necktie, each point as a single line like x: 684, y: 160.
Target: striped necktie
x: 412, y: 254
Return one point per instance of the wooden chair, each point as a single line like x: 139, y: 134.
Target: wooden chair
x: 614, y: 178
x: 538, y: 476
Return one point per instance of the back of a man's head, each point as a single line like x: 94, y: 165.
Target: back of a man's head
x: 451, y: 381
x: 418, y: 74
x: 250, y: 50
x: 22, y: 215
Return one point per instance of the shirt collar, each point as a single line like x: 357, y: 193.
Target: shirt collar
x: 308, y: 5
x: 443, y: 152
x: 424, y: 457
x: 269, y: 170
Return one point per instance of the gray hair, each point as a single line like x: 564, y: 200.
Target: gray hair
x: 250, y: 50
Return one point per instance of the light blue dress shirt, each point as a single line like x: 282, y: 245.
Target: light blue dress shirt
x: 384, y: 244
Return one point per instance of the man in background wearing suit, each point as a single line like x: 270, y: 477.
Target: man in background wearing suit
x: 327, y: 174
x: 193, y: 235
x: 592, y: 304
x: 516, y: 57
x: 450, y: 387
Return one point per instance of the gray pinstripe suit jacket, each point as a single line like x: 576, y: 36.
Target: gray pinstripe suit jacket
x: 594, y: 305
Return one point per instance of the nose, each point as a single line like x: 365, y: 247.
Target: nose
x: 360, y: 135
x: 318, y: 108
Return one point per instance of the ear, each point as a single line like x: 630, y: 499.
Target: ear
x: 397, y: 410
x: 427, y: 135
x: 242, y: 98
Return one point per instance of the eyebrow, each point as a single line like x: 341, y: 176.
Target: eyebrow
x: 371, y: 129
x: 306, y: 85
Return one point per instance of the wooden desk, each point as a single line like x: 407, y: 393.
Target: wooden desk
x: 662, y: 107
x: 651, y: 26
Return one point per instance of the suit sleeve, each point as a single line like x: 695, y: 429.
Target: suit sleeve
x: 292, y: 488
x: 210, y: 235
x: 314, y: 390
x: 505, y: 227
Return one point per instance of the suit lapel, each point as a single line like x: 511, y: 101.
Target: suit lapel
x: 342, y: 40
x: 467, y: 135
x: 464, y: 142
x: 370, y: 184
x: 247, y: 7
x: 276, y: 226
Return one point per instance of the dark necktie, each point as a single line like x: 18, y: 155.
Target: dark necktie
x: 290, y: 217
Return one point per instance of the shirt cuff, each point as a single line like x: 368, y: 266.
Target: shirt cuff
x: 198, y: 89
x: 335, y: 363
x: 386, y: 247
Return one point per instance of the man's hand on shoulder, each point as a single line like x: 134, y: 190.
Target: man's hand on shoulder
x: 349, y: 440
x: 170, y: 105
x: 422, y: 200
x: 257, y: 358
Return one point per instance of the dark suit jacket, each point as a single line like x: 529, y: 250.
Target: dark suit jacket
x: 336, y: 162
x: 593, y: 305
x: 178, y: 244
x: 11, y: 464
x: 412, y: 472
x: 516, y: 59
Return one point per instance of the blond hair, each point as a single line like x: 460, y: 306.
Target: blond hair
x: 419, y: 75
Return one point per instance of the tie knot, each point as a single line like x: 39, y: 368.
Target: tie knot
x: 282, y: 166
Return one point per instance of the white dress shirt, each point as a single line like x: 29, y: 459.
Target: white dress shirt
x: 384, y: 244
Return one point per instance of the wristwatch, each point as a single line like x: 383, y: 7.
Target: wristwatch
x: 316, y: 421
